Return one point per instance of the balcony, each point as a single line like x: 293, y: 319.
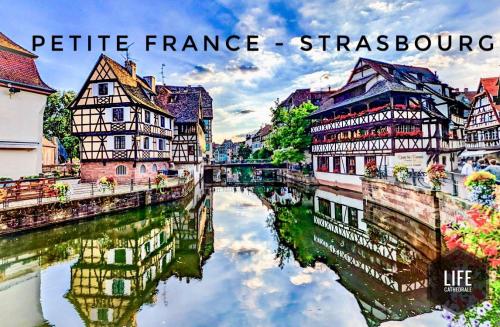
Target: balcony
x: 369, y: 116
x: 382, y: 145
x: 483, y: 145
x: 153, y: 154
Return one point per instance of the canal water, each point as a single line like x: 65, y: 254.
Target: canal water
x: 267, y: 255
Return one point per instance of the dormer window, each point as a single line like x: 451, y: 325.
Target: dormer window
x: 147, y: 117
x: 102, y: 89
x: 117, y: 115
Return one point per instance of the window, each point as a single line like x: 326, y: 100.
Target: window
x: 102, y: 314
x: 121, y: 170
x: 443, y: 160
x: 351, y: 165
x: 143, y: 169
x: 155, y: 168
x: 146, y: 143
x: 324, y: 207
x: 352, y: 214
x: 120, y: 256
x: 162, y: 121
x: 147, y: 117
x: 161, y: 144
x: 323, y: 164
x: 102, y: 89
x: 191, y: 150
x: 336, y: 165
x: 338, y: 212
x: 119, y: 142
x: 118, y: 287
x: 147, y: 248
x: 162, y: 237
x: 117, y: 114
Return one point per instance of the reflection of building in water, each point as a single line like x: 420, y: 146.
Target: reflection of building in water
x: 386, y: 272
x: 118, y: 270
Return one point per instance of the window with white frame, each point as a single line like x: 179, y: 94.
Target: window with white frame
x: 147, y: 117
x: 162, y: 121
x: 143, y: 169
x: 118, y: 114
x: 161, y: 144
x: 119, y: 142
x: 145, y: 144
x: 102, y: 89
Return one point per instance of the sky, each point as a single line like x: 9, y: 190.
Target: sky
x: 244, y: 85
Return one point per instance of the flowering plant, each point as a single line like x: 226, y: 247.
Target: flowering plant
x: 3, y: 194
x: 479, y: 234
x: 107, y: 183
x: 401, y: 173
x: 435, y: 175
x: 62, y: 191
x: 371, y: 169
x: 415, y: 133
x: 323, y: 169
x: 481, y: 185
x: 161, y: 182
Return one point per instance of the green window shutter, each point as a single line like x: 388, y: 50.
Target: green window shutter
x: 120, y: 256
x: 102, y: 314
x: 338, y: 212
x: 118, y: 287
x: 147, y: 247
x: 162, y: 237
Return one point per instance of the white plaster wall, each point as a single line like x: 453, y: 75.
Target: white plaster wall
x: 21, y: 120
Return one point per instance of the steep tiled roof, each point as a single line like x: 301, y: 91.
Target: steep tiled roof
x: 206, y: 99
x: 185, y: 106
x: 17, y: 66
x: 136, y: 88
x: 490, y: 86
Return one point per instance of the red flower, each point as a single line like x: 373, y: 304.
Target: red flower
x: 494, y: 262
x: 490, y: 251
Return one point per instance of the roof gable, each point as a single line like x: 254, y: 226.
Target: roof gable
x: 9, y: 45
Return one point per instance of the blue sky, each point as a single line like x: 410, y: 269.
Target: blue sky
x: 245, y: 84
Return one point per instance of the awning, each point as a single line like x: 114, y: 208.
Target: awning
x: 477, y: 153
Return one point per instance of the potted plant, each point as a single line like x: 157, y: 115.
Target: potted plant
x: 371, y: 169
x: 107, y: 183
x: 161, y: 183
x: 62, y: 191
x: 481, y: 185
x: 435, y: 174
x: 401, y: 173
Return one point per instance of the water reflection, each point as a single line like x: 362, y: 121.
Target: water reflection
x: 274, y: 261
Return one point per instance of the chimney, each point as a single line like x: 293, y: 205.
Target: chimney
x: 131, y: 67
x: 151, y: 80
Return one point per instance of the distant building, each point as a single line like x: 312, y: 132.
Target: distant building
x: 23, y: 95
x: 301, y: 96
x: 260, y: 137
x: 483, y: 123
x: 466, y: 97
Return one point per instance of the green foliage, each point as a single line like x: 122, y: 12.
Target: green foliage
x: 57, y: 121
x: 262, y: 153
x: 244, y: 151
x: 290, y: 138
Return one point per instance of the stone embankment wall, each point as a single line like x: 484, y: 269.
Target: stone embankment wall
x: 32, y: 217
x: 428, y: 207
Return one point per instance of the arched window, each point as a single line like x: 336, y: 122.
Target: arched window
x: 143, y: 169
x: 121, y: 170
x: 165, y: 167
x: 155, y: 168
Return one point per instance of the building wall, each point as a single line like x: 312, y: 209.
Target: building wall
x: 21, y: 117
x: 196, y: 170
x: 92, y: 171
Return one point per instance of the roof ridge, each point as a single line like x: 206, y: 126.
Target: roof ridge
x: 9, y: 45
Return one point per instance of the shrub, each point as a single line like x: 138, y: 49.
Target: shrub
x: 371, y: 169
x: 401, y: 173
x: 435, y: 175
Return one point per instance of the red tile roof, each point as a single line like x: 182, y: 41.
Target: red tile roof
x: 17, y: 67
x: 185, y: 106
x: 491, y: 87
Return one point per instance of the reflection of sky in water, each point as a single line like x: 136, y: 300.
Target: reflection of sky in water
x: 242, y: 284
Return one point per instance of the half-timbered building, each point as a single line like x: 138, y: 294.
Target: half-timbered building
x: 188, y: 146
x: 390, y: 114
x: 483, y: 123
x: 122, y: 132
x: 23, y: 95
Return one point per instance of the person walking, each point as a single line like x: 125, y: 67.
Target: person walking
x: 494, y: 169
x: 467, y: 168
x: 481, y: 165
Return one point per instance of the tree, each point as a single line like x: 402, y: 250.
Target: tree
x: 244, y: 151
x: 290, y: 138
x: 262, y: 153
x: 57, y: 121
